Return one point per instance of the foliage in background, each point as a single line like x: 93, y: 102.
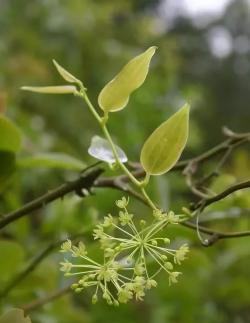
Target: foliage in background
x: 83, y: 35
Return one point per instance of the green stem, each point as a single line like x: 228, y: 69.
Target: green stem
x: 144, y: 183
x: 92, y: 109
x: 122, y: 166
x: 102, y: 122
x: 148, y: 199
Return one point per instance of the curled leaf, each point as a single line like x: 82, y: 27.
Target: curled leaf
x: 59, y: 89
x: 164, y: 146
x: 65, y: 74
x: 115, y: 95
x: 100, y: 149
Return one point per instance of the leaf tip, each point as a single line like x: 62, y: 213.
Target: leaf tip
x: 153, y: 49
x: 57, y: 65
x: 186, y: 106
x: 184, y: 110
x: 24, y: 88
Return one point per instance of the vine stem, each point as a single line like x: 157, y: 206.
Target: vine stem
x: 102, y: 123
x: 150, y: 202
x: 122, y: 166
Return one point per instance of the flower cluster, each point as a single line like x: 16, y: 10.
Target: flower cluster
x: 125, y: 271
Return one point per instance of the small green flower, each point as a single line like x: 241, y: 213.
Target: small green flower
x: 66, y: 266
x: 159, y: 215
x: 98, y: 232
x: 66, y: 246
x: 122, y: 203
x: 173, y: 277
x: 173, y: 218
x: 180, y: 254
x: 125, y: 294
x: 150, y: 283
x: 79, y: 251
x: 125, y: 218
x: 94, y: 299
x: 105, y: 242
x: 125, y: 273
x: 139, y: 269
x: 108, y: 221
x: 139, y: 287
x: 168, y: 265
x: 109, y: 252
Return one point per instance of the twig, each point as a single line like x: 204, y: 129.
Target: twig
x: 89, y: 179
x: 222, y: 195
x: 214, y: 235
x: 226, y: 147
x: 81, y: 186
x: 34, y: 263
x: 19, y: 277
x: 45, y: 300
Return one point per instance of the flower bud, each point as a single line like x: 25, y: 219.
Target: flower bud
x: 94, y: 299
x: 168, y: 265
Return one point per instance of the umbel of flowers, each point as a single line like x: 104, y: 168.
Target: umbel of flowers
x: 124, y: 272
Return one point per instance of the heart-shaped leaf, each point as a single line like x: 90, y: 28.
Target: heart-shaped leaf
x: 115, y: 95
x: 165, y: 145
x: 10, y: 136
x: 100, y: 149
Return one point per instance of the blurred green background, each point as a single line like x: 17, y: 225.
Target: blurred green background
x: 203, y: 57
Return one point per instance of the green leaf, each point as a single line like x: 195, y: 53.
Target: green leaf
x: 115, y: 95
x: 65, y: 74
x: 7, y: 166
x: 59, y: 89
x: 14, y: 316
x: 100, y: 149
x: 10, y: 135
x: 165, y: 145
x: 51, y: 160
x: 11, y: 259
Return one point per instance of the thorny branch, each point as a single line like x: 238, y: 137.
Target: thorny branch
x: 81, y: 186
x: 223, y: 194
x: 224, y: 149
